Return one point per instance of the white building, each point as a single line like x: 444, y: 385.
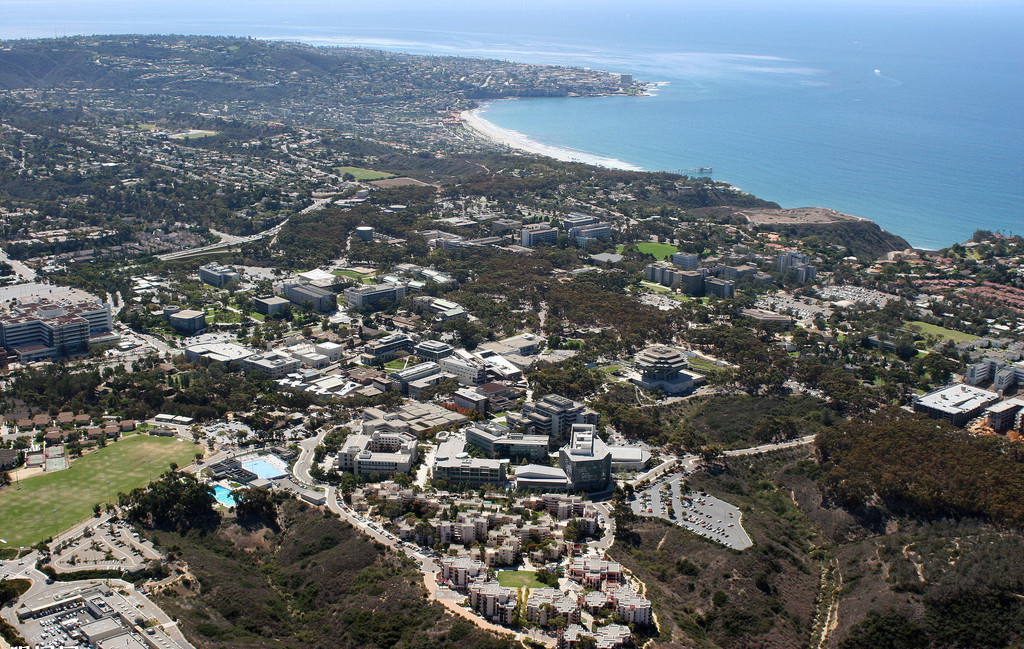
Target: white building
x: 381, y: 452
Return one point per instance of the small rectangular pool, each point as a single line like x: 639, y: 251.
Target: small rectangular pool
x: 223, y: 495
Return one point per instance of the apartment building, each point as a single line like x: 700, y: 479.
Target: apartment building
x: 460, y: 571
x: 493, y: 601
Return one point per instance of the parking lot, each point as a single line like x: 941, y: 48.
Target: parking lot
x: 703, y: 514
x: 101, y: 545
x: 83, y: 614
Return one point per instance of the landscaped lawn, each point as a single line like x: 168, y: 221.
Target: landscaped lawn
x: 702, y: 364
x: 517, y: 578
x: 659, y: 250
x: 222, y: 315
x: 941, y: 332
x: 348, y: 273
x: 42, y: 506
x: 363, y: 174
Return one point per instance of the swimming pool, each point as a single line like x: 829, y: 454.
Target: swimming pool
x: 223, y: 495
x: 264, y: 469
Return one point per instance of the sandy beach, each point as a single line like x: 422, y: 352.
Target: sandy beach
x: 515, y: 140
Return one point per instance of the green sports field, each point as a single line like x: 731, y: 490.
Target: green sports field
x: 941, y: 332
x: 517, y: 578
x: 660, y: 251
x: 360, y: 173
x: 47, y: 504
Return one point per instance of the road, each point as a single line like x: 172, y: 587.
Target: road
x: 768, y: 448
x: 18, y: 267
x: 304, y: 463
x: 192, y: 252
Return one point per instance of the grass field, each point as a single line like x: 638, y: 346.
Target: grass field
x: 659, y: 250
x: 517, y: 578
x: 702, y: 364
x: 941, y: 332
x: 47, y: 504
x: 348, y: 273
x: 363, y: 174
x: 222, y: 315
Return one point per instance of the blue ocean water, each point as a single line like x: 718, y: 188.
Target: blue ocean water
x: 905, y: 112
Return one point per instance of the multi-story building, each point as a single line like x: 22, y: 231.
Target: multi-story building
x: 371, y: 295
x: 584, y: 234
x: 633, y: 608
x: 452, y: 464
x: 384, y: 349
x: 576, y: 220
x: 536, y: 234
x: 319, y: 299
x: 381, y: 452
x: 685, y: 260
x: 719, y: 287
x: 545, y: 604
x: 467, y: 369
x: 737, y: 272
x: 789, y: 258
x: 798, y: 264
x: 271, y: 305
x: 664, y: 368
x: 586, y: 459
x: 432, y: 350
x: 275, y: 364
x: 460, y: 571
x: 497, y: 440
x: 1002, y: 374
x: 592, y: 572
x: 470, y: 399
x: 957, y: 403
x: 1001, y: 416
x: 413, y: 372
x: 413, y: 418
x: 804, y: 273
x: 553, y: 415
x: 612, y: 636
x: 493, y: 601
x: 37, y: 330
x: 661, y: 273
x: 187, y: 321
x: 216, y: 274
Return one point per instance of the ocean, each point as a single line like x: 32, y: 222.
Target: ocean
x: 907, y: 113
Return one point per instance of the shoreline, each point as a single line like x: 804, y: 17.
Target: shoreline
x: 481, y: 127
x: 475, y: 122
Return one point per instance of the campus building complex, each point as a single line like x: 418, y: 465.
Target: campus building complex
x: 39, y: 330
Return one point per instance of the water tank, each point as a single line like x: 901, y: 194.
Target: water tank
x: 365, y: 233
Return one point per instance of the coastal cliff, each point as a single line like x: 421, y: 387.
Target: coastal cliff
x: 862, y: 237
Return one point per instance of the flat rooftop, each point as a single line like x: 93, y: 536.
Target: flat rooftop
x: 958, y: 399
